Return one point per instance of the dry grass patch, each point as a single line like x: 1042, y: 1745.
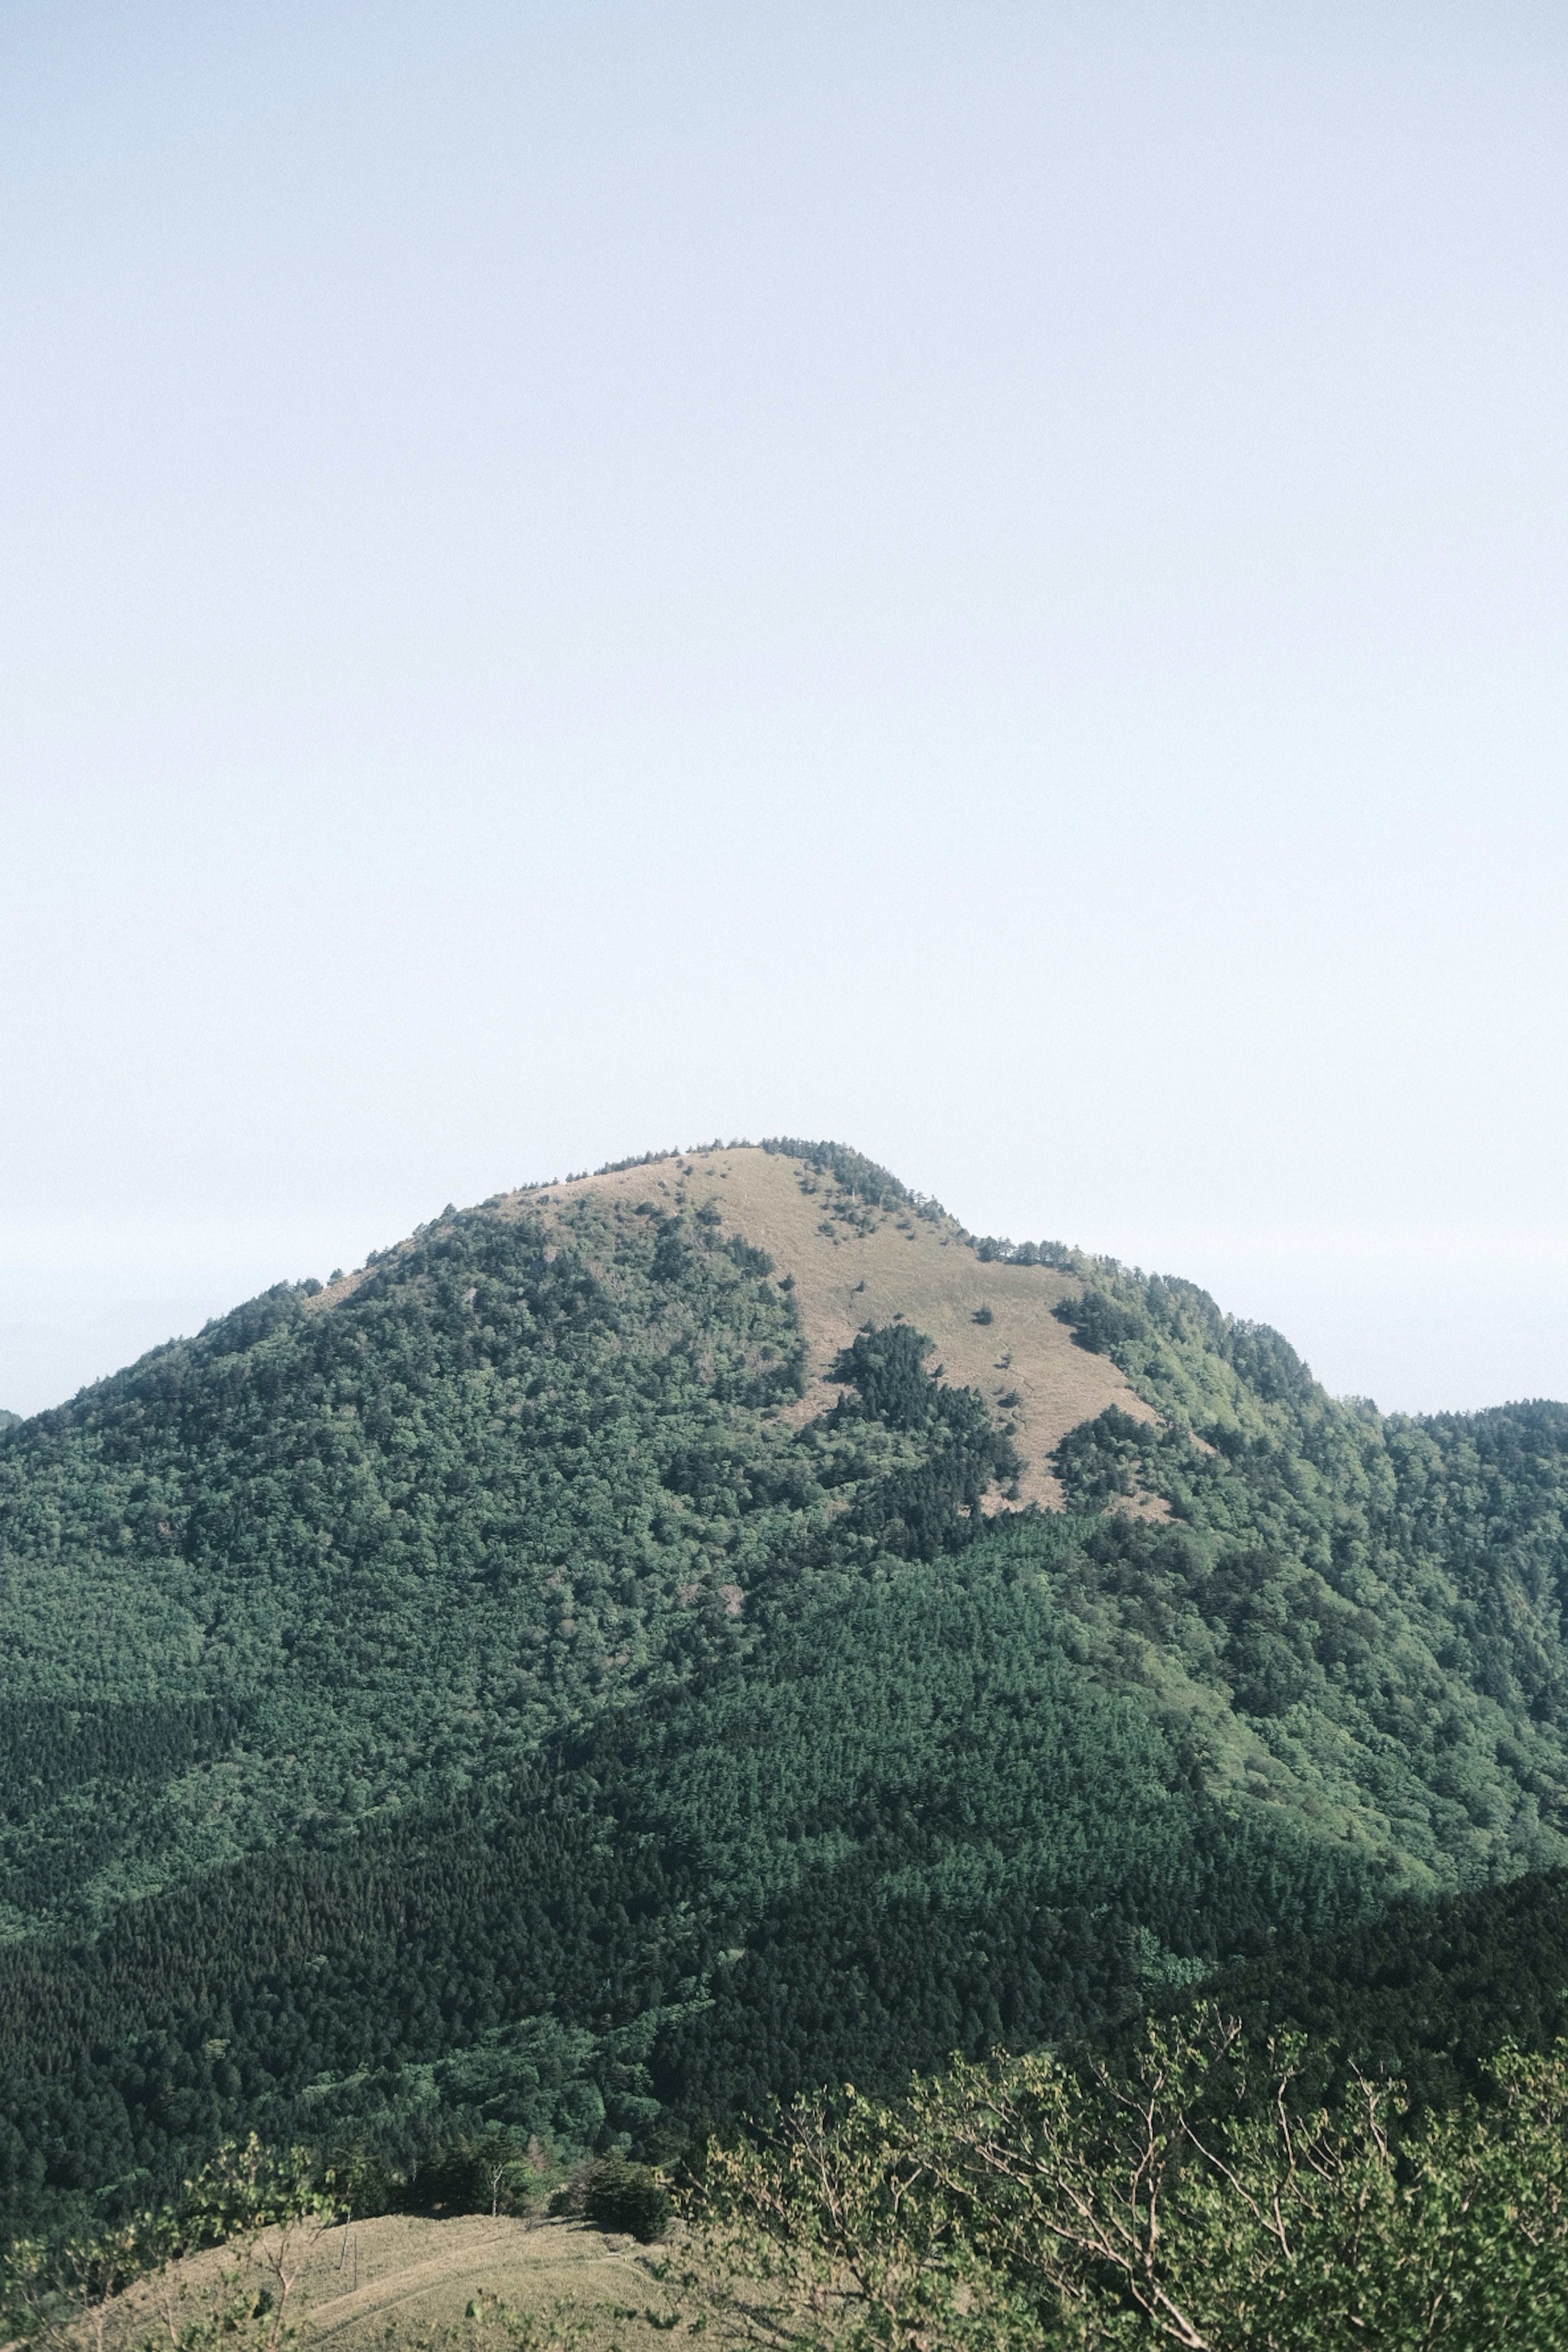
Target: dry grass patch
x: 408, y: 2281
x: 852, y: 1265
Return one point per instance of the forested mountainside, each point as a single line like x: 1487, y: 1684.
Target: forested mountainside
x: 1221, y: 2181
x: 569, y: 1675
x: 1429, y: 1994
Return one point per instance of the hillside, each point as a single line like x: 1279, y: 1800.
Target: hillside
x: 1428, y: 1996
x: 598, y: 1665
x: 408, y: 2280
x: 1423, y: 2194
x: 859, y: 1250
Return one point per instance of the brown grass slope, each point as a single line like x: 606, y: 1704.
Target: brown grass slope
x: 403, y: 2281
x: 853, y: 1265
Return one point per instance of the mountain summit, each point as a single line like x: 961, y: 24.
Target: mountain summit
x: 664, y: 1639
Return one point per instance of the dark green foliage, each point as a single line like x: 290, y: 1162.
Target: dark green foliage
x: 1102, y: 1461
x: 48, y: 1748
x: 373, y: 1554
x: 485, y: 2172
x: 641, y: 1159
x: 1431, y: 1993
x: 1096, y: 1322
x: 871, y: 1185
x: 913, y: 1823
x: 478, y: 1707
x: 620, y: 2195
x: 990, y: 1250
x: 931, y: 1504
x: 887, y: 1367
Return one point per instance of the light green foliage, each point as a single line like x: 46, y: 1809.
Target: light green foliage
x: 1189, y: 2200
x: 511, y: 1720
x: 270, y: 2203
x: 1381, y: 1603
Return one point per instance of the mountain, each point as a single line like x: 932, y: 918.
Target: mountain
x: 716, y: 1626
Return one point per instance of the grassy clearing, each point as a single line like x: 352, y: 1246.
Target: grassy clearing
x: 853, y: 1265
x: 408, y: 2281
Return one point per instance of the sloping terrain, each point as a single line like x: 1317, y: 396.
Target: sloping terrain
x: 594, y: 1669
x: 398, y: 2280
x: 1429, y: 1995
x: 855, y: 1259
x: 1430, y: 1992
x: 354, y: 1549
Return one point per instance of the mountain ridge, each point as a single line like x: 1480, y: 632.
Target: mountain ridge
x: 894, y: 1697
x: 806, y: 1205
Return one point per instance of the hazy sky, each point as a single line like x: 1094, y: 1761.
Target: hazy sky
x: 986, y: 580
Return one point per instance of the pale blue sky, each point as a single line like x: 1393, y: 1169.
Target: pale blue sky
x: 989, y: 581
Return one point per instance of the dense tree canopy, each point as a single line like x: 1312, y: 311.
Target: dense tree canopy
x: 486, y: 1694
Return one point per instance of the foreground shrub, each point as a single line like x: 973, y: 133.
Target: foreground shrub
x: 1187, y: 2201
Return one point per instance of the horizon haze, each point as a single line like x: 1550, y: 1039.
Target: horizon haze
x: 989, y: 584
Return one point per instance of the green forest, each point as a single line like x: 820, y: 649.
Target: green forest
x: 499, y: 1697
x: 1193, y: 2193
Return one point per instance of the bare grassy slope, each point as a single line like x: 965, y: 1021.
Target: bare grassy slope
x: 853, y: 1265
x: 403, y: 2279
